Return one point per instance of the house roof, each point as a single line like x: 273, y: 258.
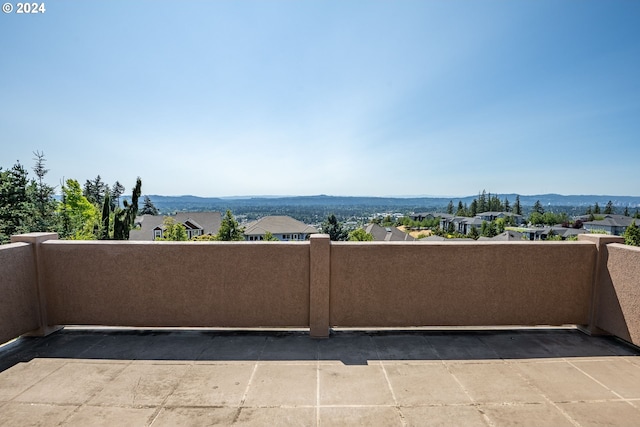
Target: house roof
x: 443, y: 215
x: 496, y: 213
x: 611, y: 220
x: 434, y: 238
x: 508, y: 235
x: 209, y: 222
x: 387, y: 234
x: 277, y: 224
x: 473, y: 221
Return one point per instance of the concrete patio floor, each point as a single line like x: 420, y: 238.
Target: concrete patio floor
x: 200, y: 378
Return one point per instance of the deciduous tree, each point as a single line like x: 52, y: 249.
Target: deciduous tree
x: 360, y: 235
x: 81, y: 216
x: 173, y: 231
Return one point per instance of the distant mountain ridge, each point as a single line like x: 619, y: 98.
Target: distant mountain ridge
x: 188, y: 202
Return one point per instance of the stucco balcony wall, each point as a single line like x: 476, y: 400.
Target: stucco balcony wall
x: 18, y: 291
x: 461, y: 283
x: 170, y: 284
x: 619, y: 292
x: 319, y: 284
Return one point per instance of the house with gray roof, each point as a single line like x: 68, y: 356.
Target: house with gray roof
x: 387, y: 234
x: 282, y: 227
x: 491, y: 216
x: 611, y: 224
x: 421, y: 216
x: 151, y: 227
x: 463, y: 224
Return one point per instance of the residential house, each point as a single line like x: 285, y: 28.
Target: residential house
x: 463, y: 224
x: 491, y: 216
x: 421, y: 216
x: 281, y: 227
x: 611, y: 224
x: 542, y: 233
x: 387, y: 234
x: 151, y: 227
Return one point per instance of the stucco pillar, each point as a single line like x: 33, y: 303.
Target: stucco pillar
x: 35, y: 240
x: 319, y: 285
x: 601, y: 282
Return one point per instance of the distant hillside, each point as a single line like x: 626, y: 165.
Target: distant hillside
x: 194, y: 203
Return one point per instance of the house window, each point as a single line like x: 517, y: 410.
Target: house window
x: 157, y: 234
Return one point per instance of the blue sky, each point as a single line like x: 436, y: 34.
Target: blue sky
x: 366, y: 98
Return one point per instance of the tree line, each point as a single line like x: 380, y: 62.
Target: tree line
x: 90, y: 212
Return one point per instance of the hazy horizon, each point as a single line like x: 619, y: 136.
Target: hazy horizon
x: 268, y: 196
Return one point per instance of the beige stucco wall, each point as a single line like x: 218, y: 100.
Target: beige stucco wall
x: 215, y: 284
x: 319, y: 284
x: 18, y: 294
x: 461, y: 283
x: 619, y: 299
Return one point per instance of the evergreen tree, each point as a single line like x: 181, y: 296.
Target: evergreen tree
x: 484, y: 229
x: 450, y: 207
x: 334, y: 229
x: 632, y: 235
x: 16, y: 210
x: 473, y: 209
x: 482, y: 202
x: 473, y: 233
x: 148, y: 208
x: 451, y: 228
x: 507, y: 206
x: 116, y: 191
x: 492, y: 230
x: 537, y: 207
x: 609, y: 208
x: 596, y: 208
x: 230, y: 230
x: 461, y: 209
x: 626, y: 211
x: 517, y: 207
x: 496, y: 204
x: 124, y: 218
x: 106, y: 215
x: 95, y: 191
x: 45, y: 218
